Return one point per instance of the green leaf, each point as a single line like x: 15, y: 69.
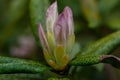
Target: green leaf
x: 38, y: 14
x: 95, y: 59
x: 58, y: 79
x: 28, y: 76
x: 85, y: 60
x: 15, y: 65
x: 21, y: 76
x: 22, y: 68
x: 103, y: 46
x: 15, y: 60
x: 96, y: 52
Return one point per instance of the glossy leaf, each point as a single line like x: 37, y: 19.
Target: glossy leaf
x: 38, y: 10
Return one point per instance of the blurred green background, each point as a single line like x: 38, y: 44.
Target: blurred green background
x: 93, y: 19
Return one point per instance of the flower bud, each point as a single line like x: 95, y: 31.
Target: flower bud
x: 58, y: 42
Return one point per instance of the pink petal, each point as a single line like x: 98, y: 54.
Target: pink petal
x: 43, y: 38
x: 69, y: 18
x: 61, y: 29
x: 51, y: 16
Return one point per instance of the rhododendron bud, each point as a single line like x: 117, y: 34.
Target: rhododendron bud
x: 59, y: 39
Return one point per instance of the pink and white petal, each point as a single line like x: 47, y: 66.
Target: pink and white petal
x: 61, y: 29
x: 51, y: 16
x: 69, y: 18
x: 43, y: 38
x: 70, y: 40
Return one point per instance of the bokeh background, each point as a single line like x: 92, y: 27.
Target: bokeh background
x: 93, y: 20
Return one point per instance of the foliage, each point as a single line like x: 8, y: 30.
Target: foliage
x: 97, y: 24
